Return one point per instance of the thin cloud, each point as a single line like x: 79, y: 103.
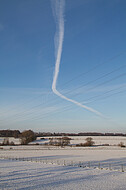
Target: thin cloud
x: 58, y: 12
x: 31, y: 91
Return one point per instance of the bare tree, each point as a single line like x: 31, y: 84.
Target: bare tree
x: 27, y: 136
x: 64, y: 141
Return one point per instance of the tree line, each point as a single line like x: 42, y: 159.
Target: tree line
x: 17, y: 134
x: 46, y: 134
x: 26, y: 136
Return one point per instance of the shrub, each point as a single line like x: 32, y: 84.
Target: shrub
x: 121, y: 144
x: 5, y: 142
x: 81, y: 144
x: 36, y: 143
x: 12, y: 143
x: 64, y: 141
x: 89, y: 142
x: 105, y: 144
x: 42, y: 138
x: 27, y: 137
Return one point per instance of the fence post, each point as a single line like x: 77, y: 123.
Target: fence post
x: 79, y: 163
x: 71, y: 163
x: 89, y: 164
x: 122, y: 168
x: 64, y: 163
x: 110, y: 168
x: 99, y: 165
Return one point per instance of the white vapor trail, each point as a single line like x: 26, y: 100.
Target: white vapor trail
x: 58, y: 10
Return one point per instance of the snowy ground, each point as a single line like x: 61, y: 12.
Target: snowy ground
x: 47, y: 167
x: 27, y: 175
x: 99, y: 140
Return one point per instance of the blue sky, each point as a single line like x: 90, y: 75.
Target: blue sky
x: 92, y: 66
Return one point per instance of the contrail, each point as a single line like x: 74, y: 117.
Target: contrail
x: 58, y: 12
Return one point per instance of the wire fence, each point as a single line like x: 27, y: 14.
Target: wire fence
x: 102, y: 165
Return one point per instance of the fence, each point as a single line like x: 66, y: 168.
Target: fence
x: 103, y: 165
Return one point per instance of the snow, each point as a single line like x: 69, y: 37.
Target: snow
x: 30, y: 175
x: 47, y: 167
x: 11, y: 139
x: 99, y: 140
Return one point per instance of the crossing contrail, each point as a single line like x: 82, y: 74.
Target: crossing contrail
x: 58, y: 12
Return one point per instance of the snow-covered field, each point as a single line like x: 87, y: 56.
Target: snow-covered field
x: 48, y: 167
x: 31, y: 176
x: 11, y: 139
x: 99, y: 140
